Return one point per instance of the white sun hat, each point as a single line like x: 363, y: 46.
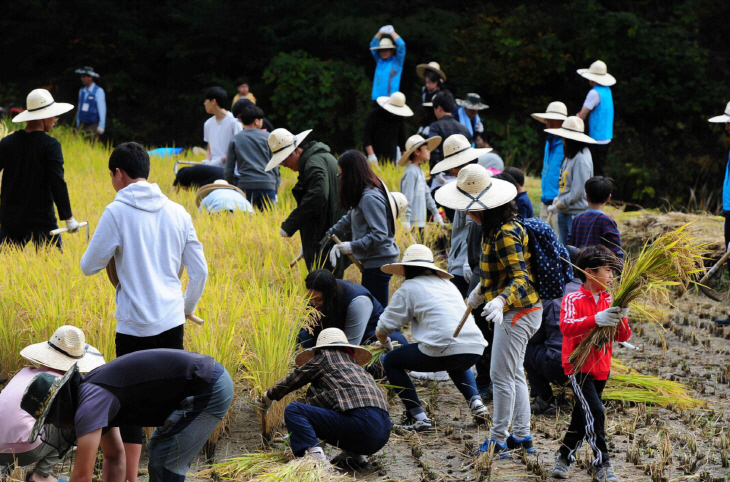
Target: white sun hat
x: 415, y: 255
x: 334, y: 338
x: 413, y: 143
x: 40, y: 105
x: 722, y: 119
x: 433, y: 66
x: 555, y: 111
x: 398, y: 203
x: 475, y: 190
x: 572, y: 128
x: 395, y: 104
x: 385, y: 44
x: 598, y: 73
x: 457, y: 152
x: 209, y: 188
x: 282, y: 143
x: 66, y: 347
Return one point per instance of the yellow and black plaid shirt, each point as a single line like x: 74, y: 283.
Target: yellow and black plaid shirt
x: 506, y: 268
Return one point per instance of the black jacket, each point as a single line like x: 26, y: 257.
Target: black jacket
x: 385, y: 132
x: 444, y: 127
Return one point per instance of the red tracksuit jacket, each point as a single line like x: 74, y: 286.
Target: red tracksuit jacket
x: 577, y: 319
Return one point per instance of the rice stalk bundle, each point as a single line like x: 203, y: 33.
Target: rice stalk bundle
x: 305, y: 469
x: 629, y: 385
x: 669, y: 261
x: 377, y: 351
x: 246, y: 466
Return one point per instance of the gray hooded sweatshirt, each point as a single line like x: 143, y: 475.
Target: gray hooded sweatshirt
x: 150, y: 238
x: 573, y: 176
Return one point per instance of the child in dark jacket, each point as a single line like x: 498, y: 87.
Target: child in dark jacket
x: 524, y: 205
x: 582, y: 311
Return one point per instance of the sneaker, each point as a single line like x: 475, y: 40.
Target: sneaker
x: 500, y: 450
x: 485, y: 393
x: 437, y: 376
x: 540, y: 406
x: 479, y: 412
x: 525, y: 443
x: 317, y: 454
x: 410, y: 424
x: 605, y: 473
x: 350, y: 460
x: 723, y: 321
x: 561, y: 468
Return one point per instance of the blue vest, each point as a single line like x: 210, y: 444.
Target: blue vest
x: 726, y: 187
x: 551, y: 163
x: 600, y: 125
x: 353, y: 290
x: 92, y: 115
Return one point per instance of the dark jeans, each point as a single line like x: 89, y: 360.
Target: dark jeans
x: 410, y: 357
x: 308, y: 340
x: 587, y: 420
x: 599, y: 154
x: 377, y: 283
x: 261, y: 199
x: 461, y: 285
x: 38, y: 236
x: 126, y: 344
x: 542, y: 371
x: 362, y: 431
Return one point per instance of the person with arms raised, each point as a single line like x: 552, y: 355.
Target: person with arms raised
x: 389, y: 58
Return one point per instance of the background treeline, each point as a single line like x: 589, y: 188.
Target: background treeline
x: 310, y: 67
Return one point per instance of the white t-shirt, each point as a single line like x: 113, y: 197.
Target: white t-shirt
x: 592, y: 100
x: 218, y: 135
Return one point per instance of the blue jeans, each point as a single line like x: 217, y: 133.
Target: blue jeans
x: 362, y: 431
x: 261, y: 198
x: 308, y: 340
x: 565, y: 221
x: 410, y: 357
x: 377, y: 283
x: 174, y: 446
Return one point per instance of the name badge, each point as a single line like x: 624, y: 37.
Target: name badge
x: 91, y: 97
x: 85, y: 107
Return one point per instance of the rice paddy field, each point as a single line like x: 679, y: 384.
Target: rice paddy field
x: 668, y: 416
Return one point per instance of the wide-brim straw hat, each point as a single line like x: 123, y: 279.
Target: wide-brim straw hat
x: 384, y: 44
x: 475, y: 190
x: 395, y: 104
x: 598, y: 73
x: 209, y: 188
x: 472, y: 101
x: 415, y: 255
x: 555, y: 111
x: 457, y: 152
x: 39, y: 396
x: 87, y: 71
x: 413, y: 143
x: 334, y: 338
x: 282, y: 143
x: 434, y: 66
x: 722, y: 119
x: 572, y: 128
x: 392, y: 202
x: 40, y: 105
x: 401, y: 203
x: 66, y: 347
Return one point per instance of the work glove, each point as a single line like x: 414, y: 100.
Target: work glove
x: 467, y: 272
x: 387, y: 29
x: 72, y: 225
x: 343, y: 248
x: 100, y: 130
x: 552, y: 208
x: 372, y: 158
x: 475, y: 298
x: 283, y: 233
x: 609, y: 317
x: 494, y: 311
x: 439, y: 219
x: 406, y: 225
x: 265, y: 402
x: 479, y: 128
x: 624, y: 313
x: 387, y: 346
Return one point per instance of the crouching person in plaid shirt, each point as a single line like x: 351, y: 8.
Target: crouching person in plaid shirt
x: 345, y: 407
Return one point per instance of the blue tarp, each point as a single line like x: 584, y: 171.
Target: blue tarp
x: 165, y: 151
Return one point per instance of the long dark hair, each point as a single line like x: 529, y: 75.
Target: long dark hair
x: 411, y: 272
x: 333, y: 311
x: 492, y: 219
x: 571, y: 148
x: 356, y: 176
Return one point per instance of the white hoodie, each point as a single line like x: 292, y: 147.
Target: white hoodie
x: 150, y: 237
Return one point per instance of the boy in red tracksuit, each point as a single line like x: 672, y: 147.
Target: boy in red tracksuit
x: 582, y: 311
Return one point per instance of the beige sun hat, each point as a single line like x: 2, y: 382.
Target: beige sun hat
x: 392, y: 202
x: 472, y: 101
x: 66, y: 347
x: 475, y: 190
x: 427, y: 104
x: 385, y: 44
x: 572, y: 128
x: 401, y: 203
x: 598, y: 73
x: 457, y: 152
x: 209, y: 188
x: 282, y: 143
x: 434, y: 66
x: 333, y: 338
x: 40, y: 105
x: 413, y: 143
x: 555, y: 111
x: 722, y: 119
x: 415, y: 255
x: 395, y: 104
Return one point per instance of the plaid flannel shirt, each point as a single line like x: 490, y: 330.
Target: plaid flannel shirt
x: 506, y: 268
x: 337, y: 383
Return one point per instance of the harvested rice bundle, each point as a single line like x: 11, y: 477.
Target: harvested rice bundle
x: 274, y: 466
x: 246, y: 466
x: 305, y: 469
x: 377, y: 351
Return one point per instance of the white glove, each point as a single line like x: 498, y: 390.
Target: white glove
x: 387, y: 346
x: 552, y: 208
x: 373, y: 158
x: 728, y: 246
x: 624, y: 313
x: 72, y: 225
x: 467, y: 272
x: 609, y: 317
x: 439, y: 219
x: 479, y: 128
x: 475, y: 298
x: 265, y: 402
x: 283, y: 233
x: 100, y: 130
x: 343, y: 248
x: 382, y: 29
x: 494, y: 311
x: 406, y: 225
x: 387, y: 29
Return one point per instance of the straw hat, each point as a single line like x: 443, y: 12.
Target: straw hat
x: 87, y: 71
x: 472, y: 101
x: 39, y: 396
x: 598, y: 73
x: 40, y: 105
x: 722, y: 119
x: 401, y: 203
x: 413, y: 143
x: 434, y: 66
x: 555, y: 111
x: 334, y: 338
x: 572, y: 128
x: 282, y: 143
x: 209, y: 188
x: 385, y: 43
x: 395, y: 104
x: 393, y: 202
x: 66, y: 347
x: 457, y: 152
x: 415, y: 255
x: 475, y: 190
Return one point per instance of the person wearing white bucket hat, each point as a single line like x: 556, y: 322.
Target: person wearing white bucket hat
x: 66, y: 347
x: 413, y: 183
x: 434, y: 79
x: 575, y: 170
x: 598, y: 111
x: 433, y: 307
x: 385, y: 128
x: 389, y: 58
x: 31, y: 163
x: 507, y: 287
x: 92, y: 104
x: 552, y: 160
x: 725, y: 119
